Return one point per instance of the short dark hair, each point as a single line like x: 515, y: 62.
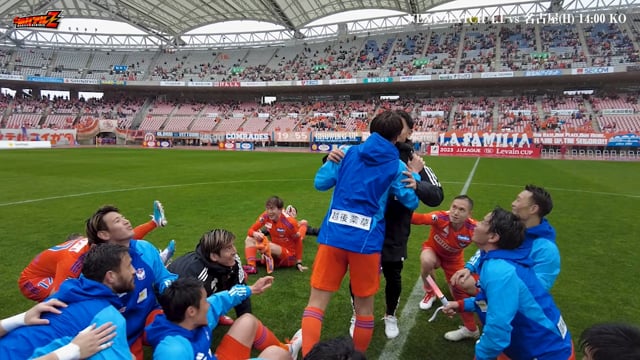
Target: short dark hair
x: 508, y: 226
x: 542, y: 198
x: 275, y: 201
x: 341, y: 348
x: 102, y: 258
x: 608, y: 341
x: 465, y: 197
x: 407, y: 118
x: 177, y: 297
x: 387, y: 124
x: 96, y: 223
x: 215, y: 240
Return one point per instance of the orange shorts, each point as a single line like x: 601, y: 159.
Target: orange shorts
x: 232, y: 349
x: 287, y: 258
x: 450, y: 264
x: 36, y: 289
x: 331, y: 264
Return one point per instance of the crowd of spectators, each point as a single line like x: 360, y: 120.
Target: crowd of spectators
x: 458, y: 48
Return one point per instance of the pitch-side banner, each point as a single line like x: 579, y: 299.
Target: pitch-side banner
x: 292, y: 136
x: 485, y: 151
x: 487, y: 139
x: 630, y: 139
x: 59, y: 137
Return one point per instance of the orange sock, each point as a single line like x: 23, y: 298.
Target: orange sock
x: 265, y: 338
x: 140, y: 231
x: 250, y: 253
x: 311, y: 328
x: 363, y: 332
x: 302, y: 231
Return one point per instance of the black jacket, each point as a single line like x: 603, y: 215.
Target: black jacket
x: 213, y: 276
x: 398, y: 217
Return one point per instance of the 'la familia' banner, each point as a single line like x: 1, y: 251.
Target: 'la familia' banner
x: 487, y: 139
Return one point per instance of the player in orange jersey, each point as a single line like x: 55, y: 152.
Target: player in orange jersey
x: 286, y: 237
x: 50, y: 268
x: 450, y: 234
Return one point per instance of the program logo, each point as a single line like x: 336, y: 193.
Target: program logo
x: 51, y: 20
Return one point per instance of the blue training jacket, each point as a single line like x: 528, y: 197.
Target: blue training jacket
x: 540, y: 241
x: 151, y: 275
x: 519, y: 315
x: 172, y: 342
x: 363, y: 181
x: 89, y: 302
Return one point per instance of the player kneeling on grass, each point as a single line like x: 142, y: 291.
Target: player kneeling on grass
x: 285, y: 247
x: 184, y: 330
x: 519, y: 315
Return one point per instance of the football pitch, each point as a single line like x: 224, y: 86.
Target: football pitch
x: 46, y: 195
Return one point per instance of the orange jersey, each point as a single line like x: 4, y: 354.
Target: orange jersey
x: 50, y: 268
x: 60, y: 262
x: 285, y: 232
x: 443, y: 238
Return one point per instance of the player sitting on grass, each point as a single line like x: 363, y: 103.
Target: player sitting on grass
x: 285, y: 247
x: 50, y: 268
x: 184, y: 330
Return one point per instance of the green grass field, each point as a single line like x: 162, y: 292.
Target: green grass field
x: 45, y: 195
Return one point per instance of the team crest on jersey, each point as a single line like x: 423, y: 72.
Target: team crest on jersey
x: 434, y: 217
x: 140, y: 274
x: 280, y: 230
x: 463, y: 240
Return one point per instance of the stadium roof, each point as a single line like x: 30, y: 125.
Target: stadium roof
x: 175, y: 17
x: 168, y: 21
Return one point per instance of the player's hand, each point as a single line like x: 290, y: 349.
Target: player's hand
x: 92, y: 340
x: 32, y: 316
x: 416, y: 164
x: 335, y: 156
x: 258, y: 236
x: 301, y: 267
x: 451, y: 308
x: 460, y: 277
x: 261, y: 285
x: 409, y: 181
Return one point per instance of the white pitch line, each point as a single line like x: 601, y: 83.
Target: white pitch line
x: 144, y: 188
x: 633, y: 196
x: 408, y: 316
